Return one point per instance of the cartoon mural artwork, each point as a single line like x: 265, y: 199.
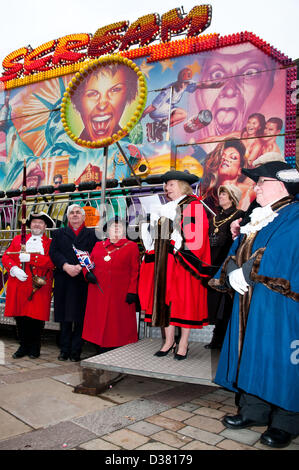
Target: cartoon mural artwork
x: 201, y: 91
x: 205, y: 103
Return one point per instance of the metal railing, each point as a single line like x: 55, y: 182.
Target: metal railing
x: 124, y: 202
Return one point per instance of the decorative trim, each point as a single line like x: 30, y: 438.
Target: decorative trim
x: 162, y: 51
x: 80, y: 76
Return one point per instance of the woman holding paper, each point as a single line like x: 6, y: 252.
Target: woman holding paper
x: 177, y: 254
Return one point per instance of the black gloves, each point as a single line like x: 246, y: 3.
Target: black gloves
x: 90, y: 277
x: 133, y: 298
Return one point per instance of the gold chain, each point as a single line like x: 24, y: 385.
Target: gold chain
x: 108, y: 257
x: 218, y: 224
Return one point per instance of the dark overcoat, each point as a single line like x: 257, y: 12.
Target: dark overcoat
x: 70, y: 293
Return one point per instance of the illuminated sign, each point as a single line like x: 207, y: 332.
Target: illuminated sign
x: 119, y: 36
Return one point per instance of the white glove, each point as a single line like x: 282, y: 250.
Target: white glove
x: 24, y: 257
x: 169, y: 210
x: 18, y: 273
x: 147, y: 240
x: 237, y: 281
x: 155, y: 216
x: 177, y: 238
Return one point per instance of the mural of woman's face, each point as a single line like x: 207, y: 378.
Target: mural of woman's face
x: 245, y: 87
x: 230, y: 164
x: 253, y: 126
x: 103, y: 103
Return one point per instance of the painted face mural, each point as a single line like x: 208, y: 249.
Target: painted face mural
x: 194, y: 102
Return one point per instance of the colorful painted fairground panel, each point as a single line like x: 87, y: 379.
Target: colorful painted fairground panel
x: 212, y: 106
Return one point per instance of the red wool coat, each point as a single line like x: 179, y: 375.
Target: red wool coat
x: 109, y: 320
x: 17, y: 303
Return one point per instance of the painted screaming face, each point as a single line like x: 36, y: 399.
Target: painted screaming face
x: 102, y: 104
x: 245, y: 86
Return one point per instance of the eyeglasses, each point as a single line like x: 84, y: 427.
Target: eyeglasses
x: 264, y: 180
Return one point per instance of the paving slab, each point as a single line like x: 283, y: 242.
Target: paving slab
x: 63, y: 436
x: 98, y: 444
x: 201, y: 435
x: 246, y: 436
x: 45, y: 402
x: 10, y: 426
x: 126, y: 438
x: 145, y: 428
x: 171, y: 438
x: 119, y: 416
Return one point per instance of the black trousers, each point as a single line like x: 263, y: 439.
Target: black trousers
x: 29, y: 331
x: 71, y: 338
x: 254, y: 408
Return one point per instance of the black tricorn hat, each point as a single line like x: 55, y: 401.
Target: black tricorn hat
x: 180, y: 176
x: 42, y: 216
x: 268, y: 170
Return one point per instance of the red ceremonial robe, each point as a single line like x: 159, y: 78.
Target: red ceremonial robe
x: 17, y: 303
x: 109, y: 320
x: 185, y: 294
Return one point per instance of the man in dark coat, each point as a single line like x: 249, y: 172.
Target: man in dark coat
x: 70, y: 288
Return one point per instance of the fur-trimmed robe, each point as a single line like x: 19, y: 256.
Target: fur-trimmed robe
x: 259, y: 352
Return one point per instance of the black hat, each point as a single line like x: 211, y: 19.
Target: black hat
x: 180, y: 175
x: 268, y: 170
x: 43, y: 216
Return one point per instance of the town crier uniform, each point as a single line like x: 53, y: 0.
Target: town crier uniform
x: 29, y: 284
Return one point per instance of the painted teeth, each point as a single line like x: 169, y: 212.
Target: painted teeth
x: 101, y: 118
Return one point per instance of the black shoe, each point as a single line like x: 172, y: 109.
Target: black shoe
x: 21, y: 352
x: 164, y: 353
x: 276, y: 438
x: 181, y: 357
x: 75, y: 358
x: 63, y: 357
x: 238, y: 422
x: 34, y: 355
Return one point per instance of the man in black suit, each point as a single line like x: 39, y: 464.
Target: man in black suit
x: 70, y: 288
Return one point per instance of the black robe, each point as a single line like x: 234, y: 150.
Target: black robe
x: 70, y: 293
x: 219, y: 305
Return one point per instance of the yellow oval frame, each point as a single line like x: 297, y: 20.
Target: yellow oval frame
x: 79, y: 76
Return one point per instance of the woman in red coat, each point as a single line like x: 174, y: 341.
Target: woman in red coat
x: 110, y: 316
x: 30, y: 311
x: 170, y: 287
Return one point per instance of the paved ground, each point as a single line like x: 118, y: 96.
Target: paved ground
x: 39, y: 411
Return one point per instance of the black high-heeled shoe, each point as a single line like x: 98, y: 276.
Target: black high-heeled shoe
x: 164, y: 353
x: 181, y: 357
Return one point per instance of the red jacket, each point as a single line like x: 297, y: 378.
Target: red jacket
x: 109, y: 320
x: 17, y: 303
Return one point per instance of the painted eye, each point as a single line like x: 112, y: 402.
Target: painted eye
x: 217, y: 74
